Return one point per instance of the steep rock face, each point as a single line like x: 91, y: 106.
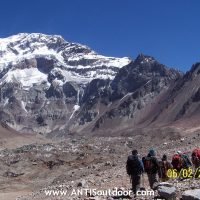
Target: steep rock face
x: 181, y: 105
x: 39, y: 109
x: 128, y: 99
x: 42, y: 78
x: 145, y: 70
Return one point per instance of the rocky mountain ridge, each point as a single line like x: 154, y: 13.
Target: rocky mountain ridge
x: 48, y: 85
x: 43, y: 76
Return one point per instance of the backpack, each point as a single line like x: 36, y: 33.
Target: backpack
x: 134, y: 165
x: 164, y: 166
x: 186, y: 161
x: 196, y: 156
x: 177, y: 161
x: 148, y: 164
x: 196, y: 153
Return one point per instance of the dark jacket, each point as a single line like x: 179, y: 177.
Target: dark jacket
x: 154, y: 164
x: 196, y: 161
x: 134, y: 165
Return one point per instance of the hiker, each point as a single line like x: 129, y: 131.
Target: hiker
x: 196, y: 162
x: 181, y: 161
x: 135, y: 168
x: 151, y: 167
x: 165, y: 165
x: 196, y: 158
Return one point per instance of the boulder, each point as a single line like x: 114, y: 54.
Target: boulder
x: 12, y: 174
x: 157, y: 184
x: 165, y: 184
x: 191, y: 195
x: 167, y: 192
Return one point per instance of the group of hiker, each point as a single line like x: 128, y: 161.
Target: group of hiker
x: 155, y: 168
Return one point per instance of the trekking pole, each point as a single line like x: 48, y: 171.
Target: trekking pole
x: 143, y: 180
x: 143, y: 187
x: 160, y: 174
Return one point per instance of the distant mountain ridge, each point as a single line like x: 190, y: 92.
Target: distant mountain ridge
x: 51, y: 86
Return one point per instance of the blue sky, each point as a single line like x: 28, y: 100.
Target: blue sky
x: 169, y: 30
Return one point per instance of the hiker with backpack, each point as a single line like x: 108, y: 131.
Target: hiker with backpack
x: 135, y: 168
x: 165, y: 165
x: 196, y: 158
x: 181, y: 161
x: 196, y: 162
x: 177, y: 161
x: 151, y: 167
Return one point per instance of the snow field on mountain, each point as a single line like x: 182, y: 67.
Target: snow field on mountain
x: 17, y: 48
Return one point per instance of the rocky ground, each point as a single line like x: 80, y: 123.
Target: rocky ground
x: 29, y: 171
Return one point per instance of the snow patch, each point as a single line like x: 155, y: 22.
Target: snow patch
x: 23, y: 105
x: 27, y: 77
x: 75, y: 108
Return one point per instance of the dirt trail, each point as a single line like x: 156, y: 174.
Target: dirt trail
x: 97, y: 162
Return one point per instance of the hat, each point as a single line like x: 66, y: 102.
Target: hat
x: 164, y: 157
x: 134, y: 152
x: 152, y: 152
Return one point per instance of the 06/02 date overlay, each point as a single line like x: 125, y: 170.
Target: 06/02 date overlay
x: 183, y: 173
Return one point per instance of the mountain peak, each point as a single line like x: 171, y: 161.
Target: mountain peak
x: 74, y: 61
x: 141, y: 58
x: 30, y: 35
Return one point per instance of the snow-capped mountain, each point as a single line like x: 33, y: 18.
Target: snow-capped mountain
x: 49, y: 85
x: 42, y: 78
x: 72, y: 61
